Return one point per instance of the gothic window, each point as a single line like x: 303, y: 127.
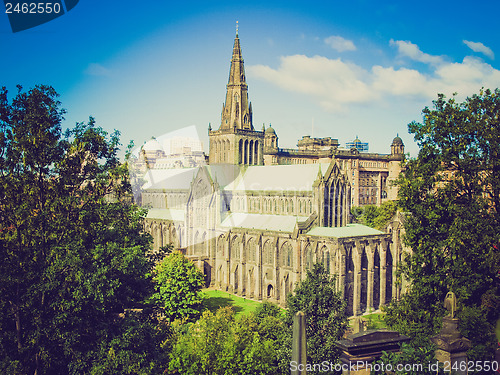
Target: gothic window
x: 220, y: 246
x: 235, y: 247
x: 240, y: 152
x: 287, y: 254
x: 268, y: 253
x: 252, y: 250
x: 326, y: 257
x: 309, y: 257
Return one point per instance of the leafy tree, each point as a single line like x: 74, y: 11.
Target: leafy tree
x: 220, y: 343
x: 71, y: 258
x: 373, y: 216
x: 326, y: 318
x: 415, y: 358
x: 136, y: 345
x: 451, y: 193
x: 178, y: 286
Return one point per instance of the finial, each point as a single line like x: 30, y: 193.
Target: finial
x: 236, y: 28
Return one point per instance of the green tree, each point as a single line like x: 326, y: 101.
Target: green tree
x: 326, y: 318
x: 138, y: 345
x: 373, y: 216
x: 178, y: 285
x: 451, y: 193
x: 221, y: 344
x: 71, y: 258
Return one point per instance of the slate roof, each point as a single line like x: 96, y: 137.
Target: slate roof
x: 262, y: 222
x: 166, y: 214
x: 169, y: 179
x: 298, y: 177
x: 350, y: 230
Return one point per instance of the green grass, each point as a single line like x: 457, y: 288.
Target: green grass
x: 213, y: 299
x: 375, y: 321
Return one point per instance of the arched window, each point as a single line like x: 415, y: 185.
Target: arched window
x: 252, y: 250
x: 326, y: 257
x: 309, y: 257
x: 235, y: 247
x: 287, y: 254
x: 268, y: 253
x: 220, y: 246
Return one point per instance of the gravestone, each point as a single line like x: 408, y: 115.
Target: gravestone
x: 362, y: 349
x: 451, y: 345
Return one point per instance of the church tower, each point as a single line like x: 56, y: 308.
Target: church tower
x: 236, y: 141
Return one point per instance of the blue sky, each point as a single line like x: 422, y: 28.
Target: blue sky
x: 337, y: 69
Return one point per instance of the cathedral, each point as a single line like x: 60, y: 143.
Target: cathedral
x: 255, y: 217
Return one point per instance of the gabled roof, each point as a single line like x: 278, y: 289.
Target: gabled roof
x: 297, y: 177
x: 350, y: 230
x: 262, y: 222
x: 169, y: 179
x: 166, y: 214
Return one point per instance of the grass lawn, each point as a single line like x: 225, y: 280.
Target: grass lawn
x: 213, y: 299
x: 375, y: 321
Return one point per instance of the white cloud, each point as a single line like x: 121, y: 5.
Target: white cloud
x: 331, y: 82
x: 412, y: 51
x: 336, y: 84
x: 480, y: 47
x: 95, y: 69
x: 340, y: 44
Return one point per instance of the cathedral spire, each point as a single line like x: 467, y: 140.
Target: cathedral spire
x: 237, y: 113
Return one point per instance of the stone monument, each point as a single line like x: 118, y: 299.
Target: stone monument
x: 451, y: 345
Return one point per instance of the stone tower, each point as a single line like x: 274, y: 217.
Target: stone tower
x: 397, y: 156
x: 236, y: 141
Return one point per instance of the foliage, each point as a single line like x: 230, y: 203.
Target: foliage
x: 220, y: 343
x: 373, y: 216
x: 414, y: 358
x: 178, y: 286
x: 451, y: 193
x: 137, y: 344
x: 326, y: 318
x: 70, y: 257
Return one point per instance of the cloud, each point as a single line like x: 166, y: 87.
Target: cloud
x: 95, y: 69
x: 480, y: 47
x: 340, y: 44
x: 412, y: 51
x: 331, y: 81
x: 336, y: 84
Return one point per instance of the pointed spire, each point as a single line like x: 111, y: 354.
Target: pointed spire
x: 237, y: 111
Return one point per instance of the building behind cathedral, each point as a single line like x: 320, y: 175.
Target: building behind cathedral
x: 255, y: 217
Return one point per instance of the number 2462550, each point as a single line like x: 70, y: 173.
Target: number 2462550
x: 32, y: 8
